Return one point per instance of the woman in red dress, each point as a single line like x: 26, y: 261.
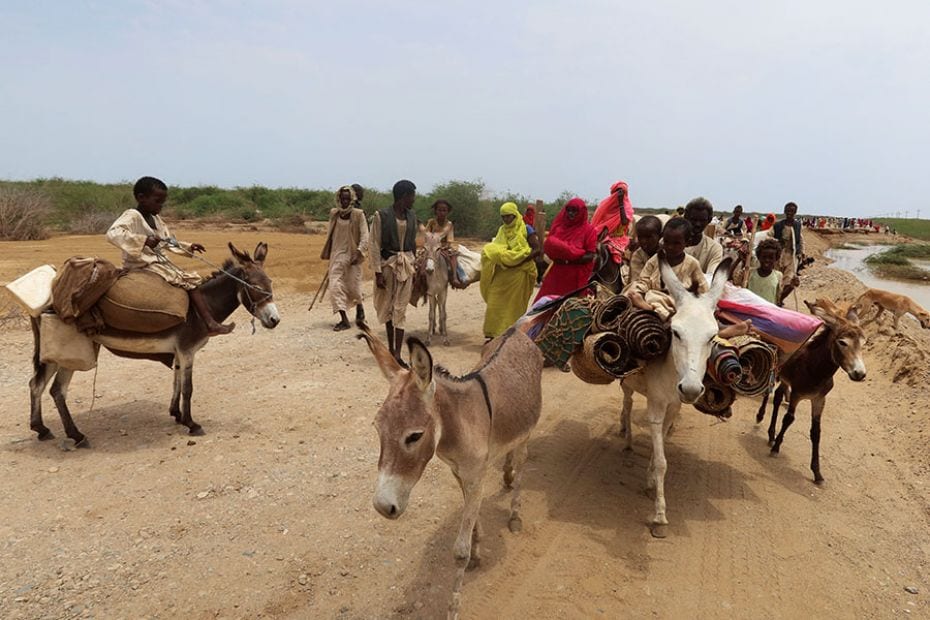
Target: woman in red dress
x: 570, y: 245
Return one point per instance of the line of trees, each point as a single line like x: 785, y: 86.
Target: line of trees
x: 30, y: 209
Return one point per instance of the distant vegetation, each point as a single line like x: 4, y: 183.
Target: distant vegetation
x: 85, y: 207
x: 918, y: 229
x: 895, y: 262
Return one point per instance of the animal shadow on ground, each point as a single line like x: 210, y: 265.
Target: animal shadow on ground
x: 432, y: 583
x: 588, y: 480
x: 791, y: 468
x: 121, y: 428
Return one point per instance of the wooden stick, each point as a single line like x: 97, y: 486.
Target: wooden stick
x: 748, y: 265
x: 320, y: 291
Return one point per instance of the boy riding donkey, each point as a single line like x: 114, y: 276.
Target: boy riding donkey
x: 138, y: 232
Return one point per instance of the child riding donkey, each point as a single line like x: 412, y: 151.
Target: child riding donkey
x: 139, y: 232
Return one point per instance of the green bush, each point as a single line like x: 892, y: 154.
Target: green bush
x: 80, y: 206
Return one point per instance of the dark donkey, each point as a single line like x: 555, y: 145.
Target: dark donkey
x: 242, y: 280
x: 808, y: 374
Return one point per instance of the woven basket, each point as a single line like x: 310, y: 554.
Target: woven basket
x: 584, y: 367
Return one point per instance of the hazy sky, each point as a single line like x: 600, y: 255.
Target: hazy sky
x: 826, y: 103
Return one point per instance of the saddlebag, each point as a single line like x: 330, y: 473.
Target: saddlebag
x: 62, y: 344
x: 143, y: 302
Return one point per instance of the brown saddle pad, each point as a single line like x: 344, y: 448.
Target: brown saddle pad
x: 79, y: 284
x: 141, y: 301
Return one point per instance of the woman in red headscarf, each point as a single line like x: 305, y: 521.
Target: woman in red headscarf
x: 615, y: 213
x: 571, y: 244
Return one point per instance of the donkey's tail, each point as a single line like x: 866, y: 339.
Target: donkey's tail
x: 36, y: 364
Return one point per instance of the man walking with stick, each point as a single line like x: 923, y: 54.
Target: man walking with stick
x: 345, y: 247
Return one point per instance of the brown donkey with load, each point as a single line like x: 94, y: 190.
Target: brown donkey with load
x: 808, y: 374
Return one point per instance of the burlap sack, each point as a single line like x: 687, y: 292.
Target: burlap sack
x: 143, y: 302
x: 79, y: 284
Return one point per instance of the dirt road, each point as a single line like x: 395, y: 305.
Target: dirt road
x: 269, y: 514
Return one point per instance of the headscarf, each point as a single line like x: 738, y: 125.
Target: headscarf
x: 607, y: 213
x: 509, y: 246
x: 352, y: 198
x: 571, y: 238
x: 529, y: 218
x: 767, y: 222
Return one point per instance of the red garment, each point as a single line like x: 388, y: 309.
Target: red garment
x: 529, y: 218
x: 748, y: 223
x: 568, y: 241
x: 607, y: 215
x: 768, y: 222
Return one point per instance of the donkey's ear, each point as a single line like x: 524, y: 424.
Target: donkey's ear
x: 719, y: 281
x: 242, y: 257
x: 386, y: 362
x: 421, y: 363
x: 852, y: 314
x: 672, y: 283
x: 821, y: 313
x: 261, y: 251
x: 602, y: 235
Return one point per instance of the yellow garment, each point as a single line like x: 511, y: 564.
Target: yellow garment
x: 510, y: 246
x: 507, y: 279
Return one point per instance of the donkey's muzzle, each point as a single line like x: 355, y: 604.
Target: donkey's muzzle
x: 689, y: 394
x: 386, y: 509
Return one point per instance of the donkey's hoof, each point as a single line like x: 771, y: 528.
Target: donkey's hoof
x: 818, y: 480
x: 473, y: 563
x: 773, y: 452
x: 44, y: 434
x: 445, y: 342
x: 197, y: 430
x: 659, y: 530
x: 515, y: 524
x: 81, y: 442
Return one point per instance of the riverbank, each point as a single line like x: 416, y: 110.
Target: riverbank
x: 902, y: 262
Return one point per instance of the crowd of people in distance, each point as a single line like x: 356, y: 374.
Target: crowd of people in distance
x: 560, y: 261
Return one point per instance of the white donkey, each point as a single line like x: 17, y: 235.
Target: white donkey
x: 676, y: 378
x: 437, y: 286
x: 468, y: 422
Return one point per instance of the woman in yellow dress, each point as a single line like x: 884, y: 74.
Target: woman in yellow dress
x: 507, y: 273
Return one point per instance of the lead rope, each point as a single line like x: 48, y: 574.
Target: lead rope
x: 167, y: 262
x: 93, y: 394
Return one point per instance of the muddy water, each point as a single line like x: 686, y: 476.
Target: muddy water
x: 853, y: 261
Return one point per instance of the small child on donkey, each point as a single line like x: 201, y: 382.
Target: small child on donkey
x: 137, y: 232
x: 442, y: 225
x: 648, y: 234
x: 648, y: 292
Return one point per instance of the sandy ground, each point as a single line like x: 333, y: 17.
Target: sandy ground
x: 269, y: 515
